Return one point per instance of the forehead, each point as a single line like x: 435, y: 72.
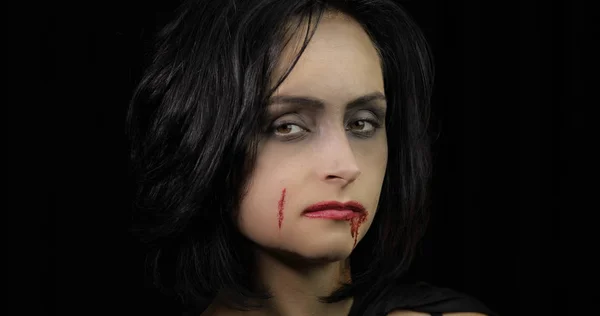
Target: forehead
x: 340, y: 62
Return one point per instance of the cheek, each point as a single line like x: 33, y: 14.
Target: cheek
x: 373, y: 164
x: 372, y: 160
x: 263, y: 209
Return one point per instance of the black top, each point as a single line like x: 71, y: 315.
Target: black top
x: 424, y: 298
x: 420, y: 297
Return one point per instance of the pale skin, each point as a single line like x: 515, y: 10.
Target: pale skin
x: 332, y: 152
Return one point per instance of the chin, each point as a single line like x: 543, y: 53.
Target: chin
x: 339, y: 248
x: 312, y: 251
x: 326, y: 249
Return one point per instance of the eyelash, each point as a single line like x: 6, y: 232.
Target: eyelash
x: 375, y: 123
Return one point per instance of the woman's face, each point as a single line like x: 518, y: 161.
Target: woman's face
x: 320, y: 151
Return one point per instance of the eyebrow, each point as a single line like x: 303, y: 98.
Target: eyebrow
x: 318, y: 104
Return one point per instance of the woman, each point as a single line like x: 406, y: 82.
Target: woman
x: 281, y: 154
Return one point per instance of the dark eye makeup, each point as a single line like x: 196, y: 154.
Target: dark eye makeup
x: 368, y: 127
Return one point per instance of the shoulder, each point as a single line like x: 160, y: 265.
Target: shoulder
x: 421, y: 299
x: 411, y: 313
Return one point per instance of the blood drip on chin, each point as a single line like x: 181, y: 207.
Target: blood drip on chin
x: 355, y: 223
x: 280, y: 207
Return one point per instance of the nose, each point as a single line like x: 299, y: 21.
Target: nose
x: 338, y: 163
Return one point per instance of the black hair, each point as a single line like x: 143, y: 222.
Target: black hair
x: 193, y: 126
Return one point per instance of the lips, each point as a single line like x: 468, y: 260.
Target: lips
x: 335, y: 205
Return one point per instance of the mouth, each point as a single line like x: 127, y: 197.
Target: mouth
x: 335, y: 210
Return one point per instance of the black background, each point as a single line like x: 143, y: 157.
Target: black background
x: 511, y: 163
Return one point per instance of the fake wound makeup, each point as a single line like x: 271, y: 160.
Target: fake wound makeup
x: 280, y: 206
x: 354, y: 221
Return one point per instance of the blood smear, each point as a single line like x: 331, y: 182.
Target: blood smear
x: 355, y: 223
x: 280, y: 206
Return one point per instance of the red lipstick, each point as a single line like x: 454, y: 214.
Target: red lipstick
x: 335, y: 210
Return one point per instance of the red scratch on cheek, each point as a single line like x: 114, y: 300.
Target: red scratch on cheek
x: 280, y: 206
x: 355, y: 223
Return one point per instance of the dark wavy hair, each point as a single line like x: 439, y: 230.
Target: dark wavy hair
x: 194, y: 122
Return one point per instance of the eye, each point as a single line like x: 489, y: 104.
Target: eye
x: 364, y: 127
x: 287, y: 129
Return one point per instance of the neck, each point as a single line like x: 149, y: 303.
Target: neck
x: 296, y: 288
